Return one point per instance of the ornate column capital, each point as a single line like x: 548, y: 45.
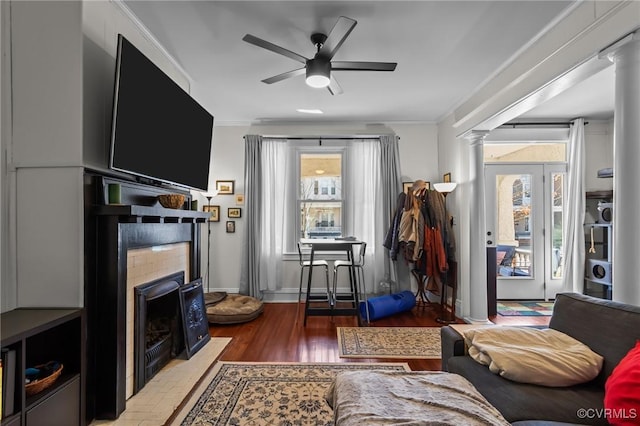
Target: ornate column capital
x: 476, y: 137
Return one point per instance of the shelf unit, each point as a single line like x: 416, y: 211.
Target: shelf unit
x: 38, y: 336
x: 599, y: 237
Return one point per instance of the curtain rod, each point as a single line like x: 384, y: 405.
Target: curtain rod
x: 539, y: 123
x: 333, y: 137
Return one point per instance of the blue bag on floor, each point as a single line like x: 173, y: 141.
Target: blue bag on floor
x: 383, y: 306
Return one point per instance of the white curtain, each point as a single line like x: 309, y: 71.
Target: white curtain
x: 266, y: 174
x: 364, y: 218
x: 363, y: 182
x: 573, y: 237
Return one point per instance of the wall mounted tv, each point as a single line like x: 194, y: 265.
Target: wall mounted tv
x: 159, y: 131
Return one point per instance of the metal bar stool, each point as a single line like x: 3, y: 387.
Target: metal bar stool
x: 305, y: 263
x: 356, y: 275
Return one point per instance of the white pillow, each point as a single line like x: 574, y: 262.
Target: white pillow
x: 544, y: 357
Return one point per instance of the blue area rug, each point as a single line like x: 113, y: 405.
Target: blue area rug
x: 525, y: 309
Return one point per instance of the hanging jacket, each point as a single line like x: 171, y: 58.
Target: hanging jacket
x: 435, y: 254
x: 411, y: 232
x: 391, y: 241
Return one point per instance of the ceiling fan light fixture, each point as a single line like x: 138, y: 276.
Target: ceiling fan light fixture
x: 318, y: 72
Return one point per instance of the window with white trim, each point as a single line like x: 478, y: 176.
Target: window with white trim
x: 320, y: 193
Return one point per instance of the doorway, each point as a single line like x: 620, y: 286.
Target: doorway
x: 525, y: 210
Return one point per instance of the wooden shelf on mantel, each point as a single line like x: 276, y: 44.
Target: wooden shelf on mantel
x: 151, y: 214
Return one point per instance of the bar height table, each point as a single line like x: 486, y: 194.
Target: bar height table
x: 332, y: 245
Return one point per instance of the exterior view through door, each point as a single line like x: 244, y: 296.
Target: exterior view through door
x: 525, y: 205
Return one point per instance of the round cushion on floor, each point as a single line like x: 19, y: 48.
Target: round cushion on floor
x: 235, y: 308
x: 214, y: 297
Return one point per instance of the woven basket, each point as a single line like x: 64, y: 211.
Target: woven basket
x: 171, y: 201
x: 38, y: 386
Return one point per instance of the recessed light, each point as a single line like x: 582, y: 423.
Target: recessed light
x: 309, y: 111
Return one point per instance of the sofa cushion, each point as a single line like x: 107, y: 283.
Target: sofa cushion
x: 608, y: 328
x: 621, y: 392
x: 543, y: 357
x: 523, y: 401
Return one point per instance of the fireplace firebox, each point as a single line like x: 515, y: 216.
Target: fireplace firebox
x: 157, y: 327
x: 169, y: 319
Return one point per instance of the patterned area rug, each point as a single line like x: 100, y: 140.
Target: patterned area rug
x: 389, y: 342
x: 515, y: 309
x: 267, y: 393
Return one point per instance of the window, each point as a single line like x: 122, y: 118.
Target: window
x: 320, y: 201
x: 530, y: 152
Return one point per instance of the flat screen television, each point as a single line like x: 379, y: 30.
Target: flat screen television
x: 159, y: 131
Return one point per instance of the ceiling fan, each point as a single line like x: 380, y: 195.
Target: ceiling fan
x: 318, y: 69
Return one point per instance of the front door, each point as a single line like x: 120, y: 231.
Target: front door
x: 524, y: 216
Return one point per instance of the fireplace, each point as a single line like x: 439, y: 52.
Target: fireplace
x: 157, y: 333
x: 128, y: 245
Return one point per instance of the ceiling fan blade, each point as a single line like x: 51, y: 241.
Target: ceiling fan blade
x: 272, y: 47
x: 284, y: 75
x: 362, y: 66
x: 337, y: 36
x: 334, y: 87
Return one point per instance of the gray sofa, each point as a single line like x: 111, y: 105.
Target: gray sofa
x: 609, y: 328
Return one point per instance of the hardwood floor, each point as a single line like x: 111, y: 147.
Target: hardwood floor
x: 278, y: 335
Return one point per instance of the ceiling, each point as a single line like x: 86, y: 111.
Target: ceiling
x: 445, y: 50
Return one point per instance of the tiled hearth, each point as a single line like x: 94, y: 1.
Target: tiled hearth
x: 157, y: 401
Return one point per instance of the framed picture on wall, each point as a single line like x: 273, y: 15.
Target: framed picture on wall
x: 225, y: 187
x: 214, y: 211
x: 446, y: 177
x: 234, y: 212
x: 231, y: 226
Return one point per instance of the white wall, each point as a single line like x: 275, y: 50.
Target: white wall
x: 418, y: 157
x: 62, y: 59
x: 7, y: 298
x: 46, y: 154
x: 598, y: 137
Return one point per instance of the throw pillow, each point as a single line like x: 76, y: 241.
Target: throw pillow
x: 622, y: 390
x: 544, y: 357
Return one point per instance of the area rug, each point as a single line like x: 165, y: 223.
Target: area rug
x: 267, y: 393
x: 389, y: 342
x: 515, y: 309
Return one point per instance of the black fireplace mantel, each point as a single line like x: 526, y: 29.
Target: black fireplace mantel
x: 112, y: 230
x: 151, y: 214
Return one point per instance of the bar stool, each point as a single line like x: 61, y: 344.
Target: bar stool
x: 358, y: 286
x: 304, y: 263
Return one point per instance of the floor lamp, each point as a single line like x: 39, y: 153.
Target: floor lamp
x: 209, y: 196
x: 446, y: 317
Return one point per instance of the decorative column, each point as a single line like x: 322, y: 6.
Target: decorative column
x: 626, y: 173
x: 478, y: 262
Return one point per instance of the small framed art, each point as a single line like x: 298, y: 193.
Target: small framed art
x: 225, y: 187
x: 446, y: 177
x: 214, y: 211
x: 231, y: 226
x: 234, y: 212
